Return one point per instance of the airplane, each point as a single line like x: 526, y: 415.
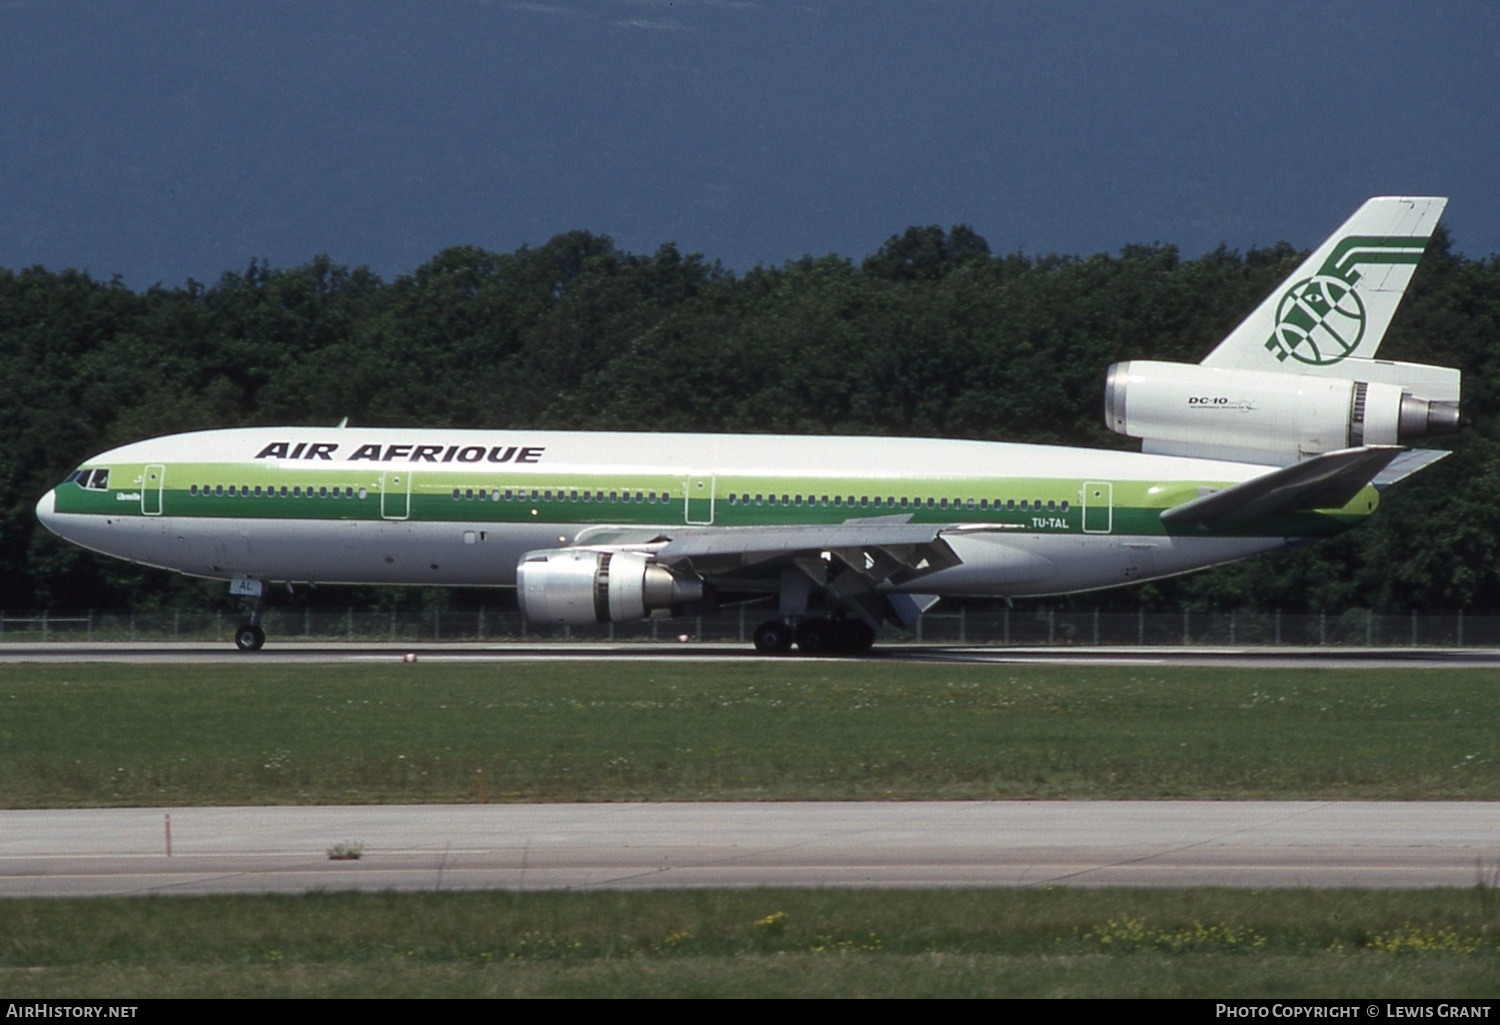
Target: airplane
x: 1287, y: 431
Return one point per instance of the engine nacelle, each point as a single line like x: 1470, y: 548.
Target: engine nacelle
x: 580, y: 586
x: 1253, y: 416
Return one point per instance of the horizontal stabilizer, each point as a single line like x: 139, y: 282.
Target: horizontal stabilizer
x: 1408, y: 463
x: 1328, y: 481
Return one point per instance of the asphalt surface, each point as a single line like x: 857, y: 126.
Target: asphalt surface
x: 332, y: 654
x: 1257, y: 844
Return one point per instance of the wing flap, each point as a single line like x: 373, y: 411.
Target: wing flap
x: 875, y: 552
x: 779, y: 540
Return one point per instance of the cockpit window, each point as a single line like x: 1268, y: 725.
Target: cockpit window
x: 94, y: 480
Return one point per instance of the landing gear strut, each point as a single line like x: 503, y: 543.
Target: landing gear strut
x: 250, y: 636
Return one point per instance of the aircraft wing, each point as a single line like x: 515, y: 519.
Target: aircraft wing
x: 876, y: 552
x: 1327, y: 481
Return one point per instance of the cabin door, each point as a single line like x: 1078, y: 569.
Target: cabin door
x: 395, y: 494
x: 1098, y: 507
x: 152, y: 479
x: 700, y: 500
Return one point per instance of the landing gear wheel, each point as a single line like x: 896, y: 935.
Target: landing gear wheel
x: 817, y: 637
x: 249, y: 637
x: 773, y: 638
x: 834, y: 637
x: 859, y: 637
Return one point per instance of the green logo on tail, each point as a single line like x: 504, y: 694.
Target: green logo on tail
x: 1321, y: 320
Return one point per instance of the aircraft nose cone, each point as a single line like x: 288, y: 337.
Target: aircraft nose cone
x: 46, y: 511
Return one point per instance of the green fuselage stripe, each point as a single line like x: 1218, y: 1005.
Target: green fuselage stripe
x: 1052, y: 506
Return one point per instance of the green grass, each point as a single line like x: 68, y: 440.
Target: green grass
x: 1063, y: 942
x: 87, y: 735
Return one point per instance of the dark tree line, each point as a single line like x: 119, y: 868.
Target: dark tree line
x: 932, y: 335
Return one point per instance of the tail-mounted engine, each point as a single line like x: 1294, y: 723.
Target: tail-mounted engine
x: 1278, y: 418
x: 579, y: 586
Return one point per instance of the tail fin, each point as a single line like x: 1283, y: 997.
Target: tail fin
x: 1297, y: 379
x: 1339, y: 302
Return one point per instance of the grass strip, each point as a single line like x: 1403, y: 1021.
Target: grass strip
x: 91, y: 735
x: 755, y: 943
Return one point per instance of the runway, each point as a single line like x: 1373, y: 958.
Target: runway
x: 1286, y: 657
x: 1257, y: 844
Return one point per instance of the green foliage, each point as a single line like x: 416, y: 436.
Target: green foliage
x: 931, y: 335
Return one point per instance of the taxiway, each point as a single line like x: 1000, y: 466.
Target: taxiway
x: 1256, y: 844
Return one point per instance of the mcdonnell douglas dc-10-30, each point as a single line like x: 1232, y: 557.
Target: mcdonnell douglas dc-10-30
x: 1286, y: 431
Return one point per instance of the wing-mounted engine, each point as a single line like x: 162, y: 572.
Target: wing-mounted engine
x: 1278, y: 418
x: 580, y: 586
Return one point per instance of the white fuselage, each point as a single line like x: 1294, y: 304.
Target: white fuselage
x: 462, y: 507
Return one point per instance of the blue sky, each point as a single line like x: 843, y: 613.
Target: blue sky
x: 174, y: 139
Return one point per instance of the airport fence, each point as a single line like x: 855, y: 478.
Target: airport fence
x: 1018, y: 627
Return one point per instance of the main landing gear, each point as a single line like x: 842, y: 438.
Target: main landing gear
x: 815, y: 637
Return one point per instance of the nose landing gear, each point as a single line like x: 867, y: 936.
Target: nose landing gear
x: 250, y: 636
